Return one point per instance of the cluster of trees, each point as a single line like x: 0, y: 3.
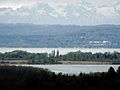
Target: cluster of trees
x: 88, y: 56
x: 28, y: 78
x: 34, y: 58
x: 54, y: 57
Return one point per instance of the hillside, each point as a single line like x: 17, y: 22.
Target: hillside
x: 65, y: 36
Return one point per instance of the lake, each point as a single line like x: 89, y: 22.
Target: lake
x: 69, y: 69
x: 61, y: 50
x: 75, y: 69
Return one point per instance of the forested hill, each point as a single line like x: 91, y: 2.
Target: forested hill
x: 65, y: 36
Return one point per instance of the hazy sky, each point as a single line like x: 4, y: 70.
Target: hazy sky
x: 15, y: 3
x: 60, y: 11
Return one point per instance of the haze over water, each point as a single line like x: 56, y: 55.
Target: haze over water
x: 62, y: 51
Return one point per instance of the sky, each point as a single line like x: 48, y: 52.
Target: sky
x: 79, y: 12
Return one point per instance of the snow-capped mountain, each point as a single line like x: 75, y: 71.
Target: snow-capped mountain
x: 76, y: 13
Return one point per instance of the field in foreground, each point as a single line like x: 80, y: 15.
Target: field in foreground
x: 28, y: 78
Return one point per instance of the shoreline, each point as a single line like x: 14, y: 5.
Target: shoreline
x: 62, y: 51
x: 20, y: 62
x: 86, y: 62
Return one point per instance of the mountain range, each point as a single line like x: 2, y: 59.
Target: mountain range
x: 82, y: 13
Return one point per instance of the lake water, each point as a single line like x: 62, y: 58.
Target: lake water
x: 61, y: 50
x: 76, y: 69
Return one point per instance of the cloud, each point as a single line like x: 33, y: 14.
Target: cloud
x: 103, y: 2
x: 107, y: 12
x: 14, y: 4
x: 56, y: 2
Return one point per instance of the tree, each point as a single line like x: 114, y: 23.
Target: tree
x: 57, y: 55
x: 111, y: 71
x: 118, y: 70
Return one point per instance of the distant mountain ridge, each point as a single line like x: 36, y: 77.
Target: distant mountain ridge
x: 54, y: 36
x: 84, y: 13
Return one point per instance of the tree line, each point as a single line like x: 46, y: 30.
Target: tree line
x: 28, y: 78
x: 89, y: 56
x: 34, y: 58
x: 54, y: 57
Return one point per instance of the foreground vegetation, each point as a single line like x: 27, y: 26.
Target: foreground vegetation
x: 28, y: 78
x: 54, y: 57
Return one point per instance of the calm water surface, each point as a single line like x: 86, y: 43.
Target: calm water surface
x: 76, y: 69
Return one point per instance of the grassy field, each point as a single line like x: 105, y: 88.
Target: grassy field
x: 84, y: 62
x: 60, y: 62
